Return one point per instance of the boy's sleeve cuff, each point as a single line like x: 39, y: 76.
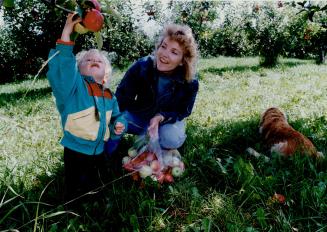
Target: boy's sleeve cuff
x: 59, y: 41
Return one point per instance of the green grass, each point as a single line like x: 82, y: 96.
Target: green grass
x: 223, y: 189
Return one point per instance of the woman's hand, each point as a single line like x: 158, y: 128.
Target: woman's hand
x: 154, y: 125
x: 69, y: 27
x: 119, y: 128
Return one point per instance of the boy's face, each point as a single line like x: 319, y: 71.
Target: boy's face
x: 93, y: 65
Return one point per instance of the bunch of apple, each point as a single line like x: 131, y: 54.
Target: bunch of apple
x: 144, y: 163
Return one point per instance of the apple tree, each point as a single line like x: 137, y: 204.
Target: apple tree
x: 316, y: 30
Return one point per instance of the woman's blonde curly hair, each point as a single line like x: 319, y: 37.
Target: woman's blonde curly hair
x: 108, y: 70
x: 183, y: 35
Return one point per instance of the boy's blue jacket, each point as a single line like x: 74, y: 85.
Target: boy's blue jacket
x: 88, y: 110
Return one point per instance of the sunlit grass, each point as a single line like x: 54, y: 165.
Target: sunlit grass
x: 221, y: 190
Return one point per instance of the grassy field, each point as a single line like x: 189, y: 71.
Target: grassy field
x: 222, y: 189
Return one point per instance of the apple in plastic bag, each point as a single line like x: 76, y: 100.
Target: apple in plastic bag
x: 145, y: 171
x: 126, y: 159
x: 176, y: 171
x: 132, y: 152
x: 155, y: 165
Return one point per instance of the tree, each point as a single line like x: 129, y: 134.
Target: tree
x: 266, y: 29
x: 199, y: 15
x: 318, y: 30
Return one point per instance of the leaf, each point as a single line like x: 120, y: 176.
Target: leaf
x: 206, y: 224
x: 73, y: 36
x: 134, y: 222
x: 310, y: 15
x: 9, y: 3
x: 261, y: 217
x: 98, y: 39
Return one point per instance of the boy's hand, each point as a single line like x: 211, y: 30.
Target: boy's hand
x: 119, y: 128
x: 69, y: 27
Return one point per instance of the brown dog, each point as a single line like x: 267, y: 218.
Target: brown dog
x: 279, y: 136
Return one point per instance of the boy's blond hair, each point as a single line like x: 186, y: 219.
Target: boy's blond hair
x: 182, y: 34
x: 108, y: 70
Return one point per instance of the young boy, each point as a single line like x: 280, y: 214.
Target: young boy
x: 89, y: 111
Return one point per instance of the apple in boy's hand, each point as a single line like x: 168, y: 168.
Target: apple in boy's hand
x: 93, y: 20
x: 80, y: 29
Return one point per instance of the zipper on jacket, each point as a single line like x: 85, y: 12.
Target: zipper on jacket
x: 105, y: 120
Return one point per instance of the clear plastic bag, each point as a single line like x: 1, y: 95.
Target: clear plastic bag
x: 147, y: 159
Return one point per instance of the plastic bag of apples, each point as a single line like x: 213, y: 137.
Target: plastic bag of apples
x: 146, y: 159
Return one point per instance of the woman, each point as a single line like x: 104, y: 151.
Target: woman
x: 158, y: 92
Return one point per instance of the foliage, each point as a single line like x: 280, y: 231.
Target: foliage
x: 125, y: 39
x: 30, y: 30
x: 229, y: 38
x: 266, y: 30
x: 32, y: 27
x: 199, y: 15
x: 222, y: 189
x: 318, y: 32
x: 269, y: 29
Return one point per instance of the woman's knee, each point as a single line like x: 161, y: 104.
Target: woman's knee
x: 172, y: 136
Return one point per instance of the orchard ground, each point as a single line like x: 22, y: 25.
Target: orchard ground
x: 222, y: 189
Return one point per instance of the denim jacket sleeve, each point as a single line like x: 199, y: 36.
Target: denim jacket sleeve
x: 185, y: 106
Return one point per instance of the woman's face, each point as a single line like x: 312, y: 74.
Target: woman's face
x: 169, y: 55
x: 93, y: 65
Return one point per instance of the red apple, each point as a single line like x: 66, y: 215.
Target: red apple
x: 169, y: 178
x: 128, y: 167
x: 155, y: 166
x: 160, y: 177
x: 93, y: 20
x: 279, y: 198
x: 135, y: 176
x: 150, y: 156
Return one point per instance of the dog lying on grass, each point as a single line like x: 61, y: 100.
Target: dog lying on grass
x: 280, y: 137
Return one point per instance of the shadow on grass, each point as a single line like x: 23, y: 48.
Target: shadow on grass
x: 253, y: 68
x: 11, y: 98
x: 211, y: 153
x: 220, y: 71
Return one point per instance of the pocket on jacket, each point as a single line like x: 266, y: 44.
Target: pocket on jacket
x: 108, y: 117
x: 83, y: 124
